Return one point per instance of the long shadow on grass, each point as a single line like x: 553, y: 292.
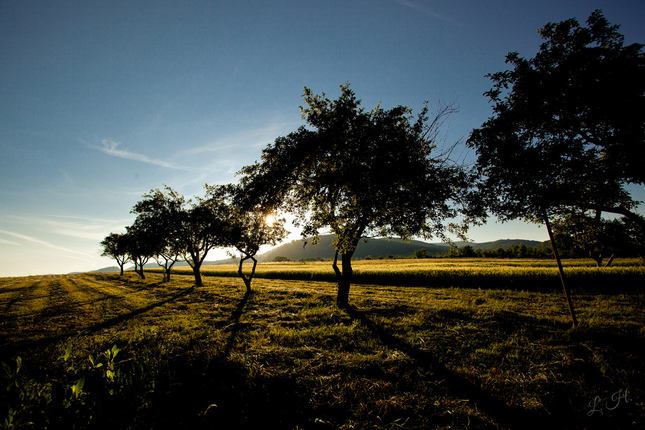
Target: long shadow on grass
x: 459, y: 387
x: 10, y: 349
x: 236, y: 325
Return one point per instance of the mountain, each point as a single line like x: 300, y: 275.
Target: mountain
x: 502, y: 243
x: 295, y: 250
x: 104, y: 270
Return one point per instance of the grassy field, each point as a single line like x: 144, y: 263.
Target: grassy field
x: 523, y: 274
x: 434, y: 351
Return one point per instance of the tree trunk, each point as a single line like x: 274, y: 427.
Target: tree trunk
x: 343, y: 278
x: 247, y: 280
x: 138, y: 269
x: 197, y: 273
x: 597, y: 258
x: 611, y: 259
x: 560, y: 269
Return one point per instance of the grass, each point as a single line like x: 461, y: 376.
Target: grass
x: 285, y: 357
x: 525, y: 274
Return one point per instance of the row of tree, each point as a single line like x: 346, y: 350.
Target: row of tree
x: 565, y: 141
x: 169, y: 228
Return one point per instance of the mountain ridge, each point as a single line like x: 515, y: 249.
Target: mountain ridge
x: 375, y: 247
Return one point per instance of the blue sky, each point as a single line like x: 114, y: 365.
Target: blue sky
x: 102, y: 101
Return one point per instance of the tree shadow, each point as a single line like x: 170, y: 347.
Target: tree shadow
x: 40, y: 343
x: 458, y: 386
x: 234, y: 323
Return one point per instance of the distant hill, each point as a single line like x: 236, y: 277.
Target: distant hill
x: 104, y: 270
x: 295, y: 250
x: 502, y: 243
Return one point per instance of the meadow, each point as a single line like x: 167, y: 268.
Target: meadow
x: 524, y: 274
x: 484, y: 344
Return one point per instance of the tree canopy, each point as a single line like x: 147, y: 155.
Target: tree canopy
x: 247, y: 227
x: 204, y: 226
x: 568, y: 125
x: 159, y: 215
x: 358, y: 173
x: 115, y: 246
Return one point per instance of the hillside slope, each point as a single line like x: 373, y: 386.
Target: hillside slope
x: 298, y: 250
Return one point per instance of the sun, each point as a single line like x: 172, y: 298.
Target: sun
x: 270, y: 220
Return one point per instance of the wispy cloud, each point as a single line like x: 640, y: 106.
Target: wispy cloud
x: 94, y: 229
x: 426, y: 8
x: 111, y: 147
x: 43, y: 243
x: 241, y: 142
x: 9, y: 242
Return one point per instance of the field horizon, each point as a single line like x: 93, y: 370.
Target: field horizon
x: 97, y: 350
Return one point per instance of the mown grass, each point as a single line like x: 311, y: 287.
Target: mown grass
x: 287, y: 357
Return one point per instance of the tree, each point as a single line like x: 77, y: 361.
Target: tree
x: 466, y: 251
x: 421, y: 253
x: 568, y: 125
x: 281, y: 259
x: 114, y: 245
x: 358, y: 173
x: 203, y: 226
x: 159, y: 215
x: 587, y: 234
x: 140, y: 249
x: 248, y: 228
x: 567, y: 128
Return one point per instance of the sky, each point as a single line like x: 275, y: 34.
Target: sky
x: 103, y: 101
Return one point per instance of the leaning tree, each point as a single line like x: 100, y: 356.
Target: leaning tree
x: 358, y: 173
x: 567, y: 129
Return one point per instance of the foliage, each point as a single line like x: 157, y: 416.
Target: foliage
x: 583, y: 235
x: 203, y: 226
x: 159, y: 216
x: 421, y: 253
x: 247, y: 228
x: 115, y: 246
x: 567, y: 129
x: 358, y: 173
x: 81, y: 398
x: 140, y: 248
x: 281, y: 259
